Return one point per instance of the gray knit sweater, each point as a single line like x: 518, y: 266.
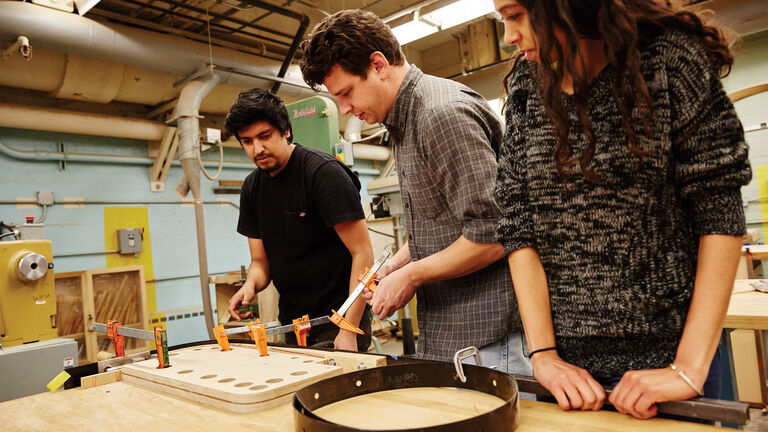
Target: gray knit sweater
x: 620, y: 256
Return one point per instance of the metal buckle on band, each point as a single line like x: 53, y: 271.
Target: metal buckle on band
x: 461, y: 355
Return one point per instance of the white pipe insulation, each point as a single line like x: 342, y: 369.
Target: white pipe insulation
x: 353, y: 133
x: 72, y: 33
x: 56, y: 120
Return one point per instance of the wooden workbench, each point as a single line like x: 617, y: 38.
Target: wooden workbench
x: 122, y: 407
x: 748, y: 308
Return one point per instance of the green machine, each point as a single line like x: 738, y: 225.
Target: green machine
x: 315, y: 123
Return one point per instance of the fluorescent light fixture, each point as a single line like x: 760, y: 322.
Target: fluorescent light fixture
x: 84, y: 6
x: 413, y: 30
x: 446, y: 17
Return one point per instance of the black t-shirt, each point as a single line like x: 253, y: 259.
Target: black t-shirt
x: 293, y: 214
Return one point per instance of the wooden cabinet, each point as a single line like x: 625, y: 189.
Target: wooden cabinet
x: 87, y: 296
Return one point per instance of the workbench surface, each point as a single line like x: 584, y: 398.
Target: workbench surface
x: 121, y: 407
x: 748, y: 308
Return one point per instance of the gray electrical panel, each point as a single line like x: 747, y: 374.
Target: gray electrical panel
x: 26, y: 369
x: 129, y: 240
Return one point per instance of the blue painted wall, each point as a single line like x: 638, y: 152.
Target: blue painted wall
x: 75, y: 229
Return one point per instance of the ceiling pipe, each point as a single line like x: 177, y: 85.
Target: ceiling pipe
x: 188, y: 115
x: 71, y: 33
x: 56, y: 120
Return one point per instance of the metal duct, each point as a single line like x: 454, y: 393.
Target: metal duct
x: 72, y: 33
x: 352, y: 131
x: 188, y: 113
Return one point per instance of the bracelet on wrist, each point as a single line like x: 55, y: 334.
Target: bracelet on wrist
x: 686, y: 379
x: 530, y: 354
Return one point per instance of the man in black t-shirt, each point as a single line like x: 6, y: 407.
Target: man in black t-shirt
x: 301, y: 212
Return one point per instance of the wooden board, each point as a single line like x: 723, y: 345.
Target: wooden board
x: 239, y: 380
x: 748, y: 310
x: 348, y: 361
x: 415, y: 407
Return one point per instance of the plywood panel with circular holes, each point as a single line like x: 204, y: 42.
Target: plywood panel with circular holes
x: 239, y: 380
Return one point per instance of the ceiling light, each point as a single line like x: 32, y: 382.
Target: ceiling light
x: 441, y: 19
x: 84, y: 6
x: 413, y: 30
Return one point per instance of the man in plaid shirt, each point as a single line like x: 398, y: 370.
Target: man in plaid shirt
x: 445, y: 140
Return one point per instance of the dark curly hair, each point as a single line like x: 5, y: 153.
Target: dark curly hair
x: 623, y: 25
x: 347, y: 38
x: 257, y: 105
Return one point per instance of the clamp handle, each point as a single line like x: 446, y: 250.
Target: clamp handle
x: 258, y: 333
x: 301, y: 328
x: 343, y: 323
x: 221, y: 337
x: 161, y: 344
x: 370, y: 282
x: 117, y: 340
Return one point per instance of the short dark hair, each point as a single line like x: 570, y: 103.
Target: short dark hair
x: 347, y: 38
x: 257, y: 105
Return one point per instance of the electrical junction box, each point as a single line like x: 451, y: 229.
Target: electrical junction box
x: 32, y: 231
x: 343, y: 152
x: 210, y: 135
x: 129, y: 240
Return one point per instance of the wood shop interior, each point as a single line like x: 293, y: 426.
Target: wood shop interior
x: 123, y: 242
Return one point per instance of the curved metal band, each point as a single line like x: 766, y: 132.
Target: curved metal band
x: 503, y: 419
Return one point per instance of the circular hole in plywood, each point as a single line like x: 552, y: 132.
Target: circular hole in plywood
x: 297, y: 373
x: 226, y: 380
x: 274, y: 380
x: 358, y: 383
x: 243, y: 384
x: 258, y: 387
x: 317, y: 395
x: 208, y: 376
x: 185, y: 371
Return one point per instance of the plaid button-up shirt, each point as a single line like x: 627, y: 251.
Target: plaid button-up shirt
x: 446, y: 139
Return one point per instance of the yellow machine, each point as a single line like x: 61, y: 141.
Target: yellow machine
x: 27, y: 296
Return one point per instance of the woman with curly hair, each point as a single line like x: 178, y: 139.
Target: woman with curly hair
x: 619, y: 184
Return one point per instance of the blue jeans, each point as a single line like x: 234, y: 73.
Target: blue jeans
x: 505, y: 355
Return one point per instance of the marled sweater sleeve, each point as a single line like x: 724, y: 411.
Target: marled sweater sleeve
x: 515, y: 230
x: 711, y: 160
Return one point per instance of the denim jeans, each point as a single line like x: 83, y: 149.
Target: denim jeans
x: 506, y: 355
